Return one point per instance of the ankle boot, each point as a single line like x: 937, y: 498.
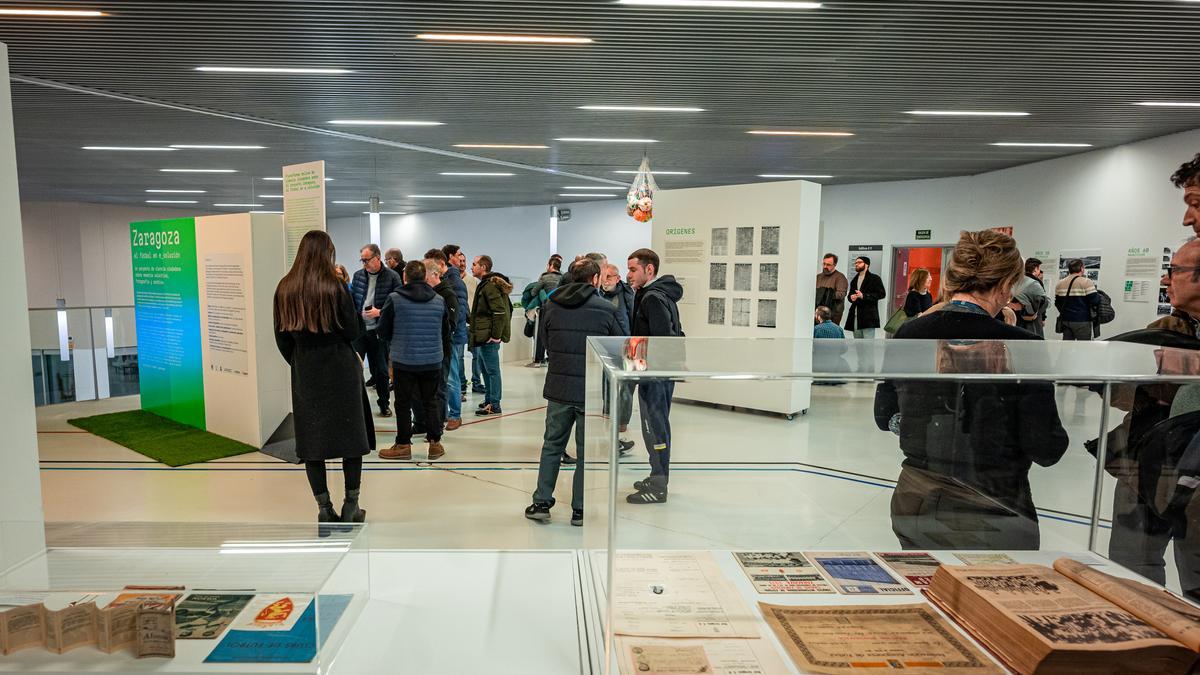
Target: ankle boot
x: 351, y: 513
x: 325, y: 514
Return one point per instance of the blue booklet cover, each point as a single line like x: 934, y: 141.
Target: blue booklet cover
x: 297, y: 645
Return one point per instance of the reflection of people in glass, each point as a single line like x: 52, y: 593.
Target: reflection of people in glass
x: 968, y: 447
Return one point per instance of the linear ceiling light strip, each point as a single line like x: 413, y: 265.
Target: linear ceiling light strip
x: 130, y: 98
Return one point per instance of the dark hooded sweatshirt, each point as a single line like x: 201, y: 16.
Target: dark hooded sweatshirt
x: 575, y: 312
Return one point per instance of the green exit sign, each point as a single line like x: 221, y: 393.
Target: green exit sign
x: 924, y: 235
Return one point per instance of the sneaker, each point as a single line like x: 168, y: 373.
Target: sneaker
x: 533, y: 364
x: 385, y: 411
x: 489, y: 410
x: 568, y: 460
x: 397, y: 451
x: 370, y: 383
x: 577, y: 517
x: 436, y: 450
x: 623, y: 447
x: 539, y: 512
x: 478, y: 390
x: 481, y: 406
x: 643, y: 484
x: 453, y: 424
x: 649, y: 496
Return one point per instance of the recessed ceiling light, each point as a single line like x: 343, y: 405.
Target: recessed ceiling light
x: 270, y: 196
x: 640, y: 108
x: 535, y: 39
x: 286, y: 71
x: 170, y: 201
x: 351, y: 202
x: 476, y: 173
x: 762, y: 132
x: 435, y: 196
x: 387, y: 213
x: 656, y: 173
x: 194, y: 192
x: 51, y: 12
x: 966, y: 113
x: 127, y: 148
x: 576, y: 139
x: 245, y: 205
x: 1043, y: 145
x: 592, y: 187
x: 723, y: 4
x: 793, y: 175
x: 198, y: 170
x: 1170, y: 104
x: 589, y: 194
x: 220, y: 147
x: 386, y: 123
x: 501, y: 146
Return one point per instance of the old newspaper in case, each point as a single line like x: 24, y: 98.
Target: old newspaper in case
x: 917, y: 568
x: 155, y: 630
x: 857, y: 573
x: 722, y: 656
x: 203, y: 616
x: 676, y: 594
x: 71, y: 627
x: 873, y: 639
x: 22, y: 627
x: 781, y: 572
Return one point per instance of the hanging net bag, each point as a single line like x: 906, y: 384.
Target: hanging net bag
x: 639, y: 203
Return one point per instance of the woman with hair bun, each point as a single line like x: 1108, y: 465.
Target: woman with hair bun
x: 968, y: 447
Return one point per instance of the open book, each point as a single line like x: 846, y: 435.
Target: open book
x: 1070, y: 619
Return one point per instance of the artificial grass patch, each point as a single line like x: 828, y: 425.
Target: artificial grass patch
x: 161, y: 439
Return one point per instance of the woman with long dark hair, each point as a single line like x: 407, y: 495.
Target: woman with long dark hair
x: 315, y: 325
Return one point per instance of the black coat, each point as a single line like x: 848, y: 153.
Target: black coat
x: 655, y: 309
x: 574, y: 312
x: 329, y: 402
x: 864, y: 312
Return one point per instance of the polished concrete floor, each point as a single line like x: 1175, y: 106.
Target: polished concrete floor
x: 740, y: 480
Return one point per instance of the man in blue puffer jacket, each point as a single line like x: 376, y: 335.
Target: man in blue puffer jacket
x: 458, y: 344
x: 416, y: 325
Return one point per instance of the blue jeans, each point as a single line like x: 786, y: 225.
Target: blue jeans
x: 489, y: 357
x: 476, y: 369
x: 654, y: 401
x: 560, y: 417
x: 454, y: 382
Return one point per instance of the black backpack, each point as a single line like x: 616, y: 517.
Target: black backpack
x: 1103, y: 311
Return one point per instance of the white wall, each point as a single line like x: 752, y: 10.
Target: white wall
x: 517, y: 238
x: 1113, y: 200
x: 80, y: 252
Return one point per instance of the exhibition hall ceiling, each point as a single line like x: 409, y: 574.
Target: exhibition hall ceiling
x: 858, y: 68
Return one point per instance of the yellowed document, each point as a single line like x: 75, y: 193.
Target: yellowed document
x: 723, y: 656
x: 677, y: 594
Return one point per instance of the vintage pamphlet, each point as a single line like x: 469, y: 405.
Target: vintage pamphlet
x: 857, y: 573
x: 781, y: 572
x: 22, y: 627
x: 874, y: 638
x: 155, y: 630
x: 985, y: 559
x: 71, y: 627
x: 203, y: 616
x: 677, y: 594
x: 1035, y: 619
x: 917, y: 568
x: 723, y: 656
x: 116, y: 626
x: 272, y: 612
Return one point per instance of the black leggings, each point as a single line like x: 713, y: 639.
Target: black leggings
x: 351, y: 467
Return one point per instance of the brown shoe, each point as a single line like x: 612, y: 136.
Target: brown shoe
x: 436, y: 450
x: 397, y: 451
x: 451, y: 425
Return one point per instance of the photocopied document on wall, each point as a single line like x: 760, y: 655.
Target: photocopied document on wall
x: 676, y: 594
x: 643, y: 656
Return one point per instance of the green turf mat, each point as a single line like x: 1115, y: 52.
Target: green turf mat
x: 161, y: 439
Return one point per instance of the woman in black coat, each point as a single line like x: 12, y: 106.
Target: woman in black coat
x: 969, y: 444
x: 315, y: 326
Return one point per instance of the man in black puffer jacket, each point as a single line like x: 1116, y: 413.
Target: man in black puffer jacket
x: 575, y: 312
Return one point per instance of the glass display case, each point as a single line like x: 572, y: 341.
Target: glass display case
x: 277, y: 598
x: 902, y: 455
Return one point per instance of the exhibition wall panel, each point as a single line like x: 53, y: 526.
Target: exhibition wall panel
x: 1103, y: 203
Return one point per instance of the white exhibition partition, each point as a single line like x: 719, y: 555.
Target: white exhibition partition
x: 20, y: 481
x: 747, y: 258
x: 240, y: 259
